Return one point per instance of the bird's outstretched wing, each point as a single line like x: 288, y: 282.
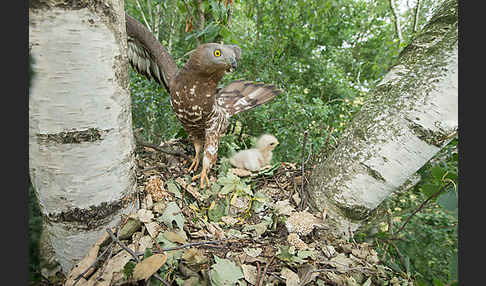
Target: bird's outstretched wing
x: 147, y: 56
x: 239, y: 96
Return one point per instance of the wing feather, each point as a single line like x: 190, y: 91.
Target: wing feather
x: 239, y: 96
x: 147, y: 56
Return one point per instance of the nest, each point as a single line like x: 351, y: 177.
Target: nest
x: 246, y: 229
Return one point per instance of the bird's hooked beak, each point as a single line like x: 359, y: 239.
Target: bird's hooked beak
x: 233, y: 63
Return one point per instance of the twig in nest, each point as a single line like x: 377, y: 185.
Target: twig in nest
x: 106, y: 262
x: 259, y: 283
x: 362, y: 269
x: 158, y: 148
x: 185, y: 246
x: 258, y: 277
x: 132, y: 253
x: 76, y: 280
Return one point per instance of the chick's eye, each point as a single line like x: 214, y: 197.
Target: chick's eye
x: 217, y: 53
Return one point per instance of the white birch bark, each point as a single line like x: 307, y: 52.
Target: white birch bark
x: 408, y: 118
x: 80, y: 84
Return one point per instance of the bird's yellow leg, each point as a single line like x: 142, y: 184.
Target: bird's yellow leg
x: 204, y: 174
x: 195, y: 161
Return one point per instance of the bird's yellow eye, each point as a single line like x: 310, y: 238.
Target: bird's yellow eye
x: 217, y: 53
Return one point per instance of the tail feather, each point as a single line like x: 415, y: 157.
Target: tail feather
x: 239, y: 96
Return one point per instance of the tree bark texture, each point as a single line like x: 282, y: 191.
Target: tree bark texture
x: 81, y: 147
x: 408, y: 118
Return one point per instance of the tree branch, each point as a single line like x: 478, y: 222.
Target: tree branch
x: 396, y: 17
x: 415, y: 20
x: 422, y: 206
x: 143, y: 16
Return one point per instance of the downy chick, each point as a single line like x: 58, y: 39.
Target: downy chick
x: 256, y: 158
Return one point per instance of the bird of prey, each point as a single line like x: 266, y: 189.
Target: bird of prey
x: 201, y: 107
x: 255, y: 158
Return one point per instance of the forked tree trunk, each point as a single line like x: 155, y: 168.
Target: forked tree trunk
x: 408, y: 118
x: 81, y: 148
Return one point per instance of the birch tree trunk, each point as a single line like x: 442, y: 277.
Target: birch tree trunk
x: 81, y: 148
x: 408, y: 118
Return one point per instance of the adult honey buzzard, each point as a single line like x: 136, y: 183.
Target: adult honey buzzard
x: 201, y: 107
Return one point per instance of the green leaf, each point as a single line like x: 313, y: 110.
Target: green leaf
x: 147, y: 252
x: 172, y: 213
x: 448, y: 201
x: 128, y: 268
x: 172, y: 188
x: 438, y: 172
x: 225, y: 272
x: 394, y: 266
x: 284, y: 253
x: 429, y: 189
x: 453, y: 262
x: 407, y: 265
x: 437, y: 282
x: 217, y: 212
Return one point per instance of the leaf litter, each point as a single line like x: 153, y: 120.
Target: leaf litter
x: 245, y: 229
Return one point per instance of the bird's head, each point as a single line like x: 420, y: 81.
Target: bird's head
x: 267, y: 142
x: 214, y: 57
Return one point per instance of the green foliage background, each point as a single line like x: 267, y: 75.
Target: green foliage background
x: 325, y: 55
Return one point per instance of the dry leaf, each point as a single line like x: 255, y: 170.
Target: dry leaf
x: 252, y: 252
x: 145, y: 216
x: 306, y: 274
x: 296, y: 198
x: 86, y: 262
x: 250, y: 273
x: 159, y: 207
x: 341, y: 262
x: 153, y: 228
x: 284, y: 207
x: 174, y: 237
x: 131, y: 226
x: 328, y: 251
x: 194, y: 256
x: 115, y: 265
x: 229, y: 220
x: 216, y: 231
x: 147, y: 202
x: 291, y: 278
x: 149, y: 266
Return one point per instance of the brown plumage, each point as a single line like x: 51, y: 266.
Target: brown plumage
x: 201, y: 107
x: 255, y: 158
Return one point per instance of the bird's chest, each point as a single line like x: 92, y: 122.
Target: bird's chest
x: 192, y: 103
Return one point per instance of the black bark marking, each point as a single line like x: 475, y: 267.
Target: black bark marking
x: 73, y: 137
x: 93, y: 216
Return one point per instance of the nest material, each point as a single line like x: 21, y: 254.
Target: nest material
x: 244, y: 230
